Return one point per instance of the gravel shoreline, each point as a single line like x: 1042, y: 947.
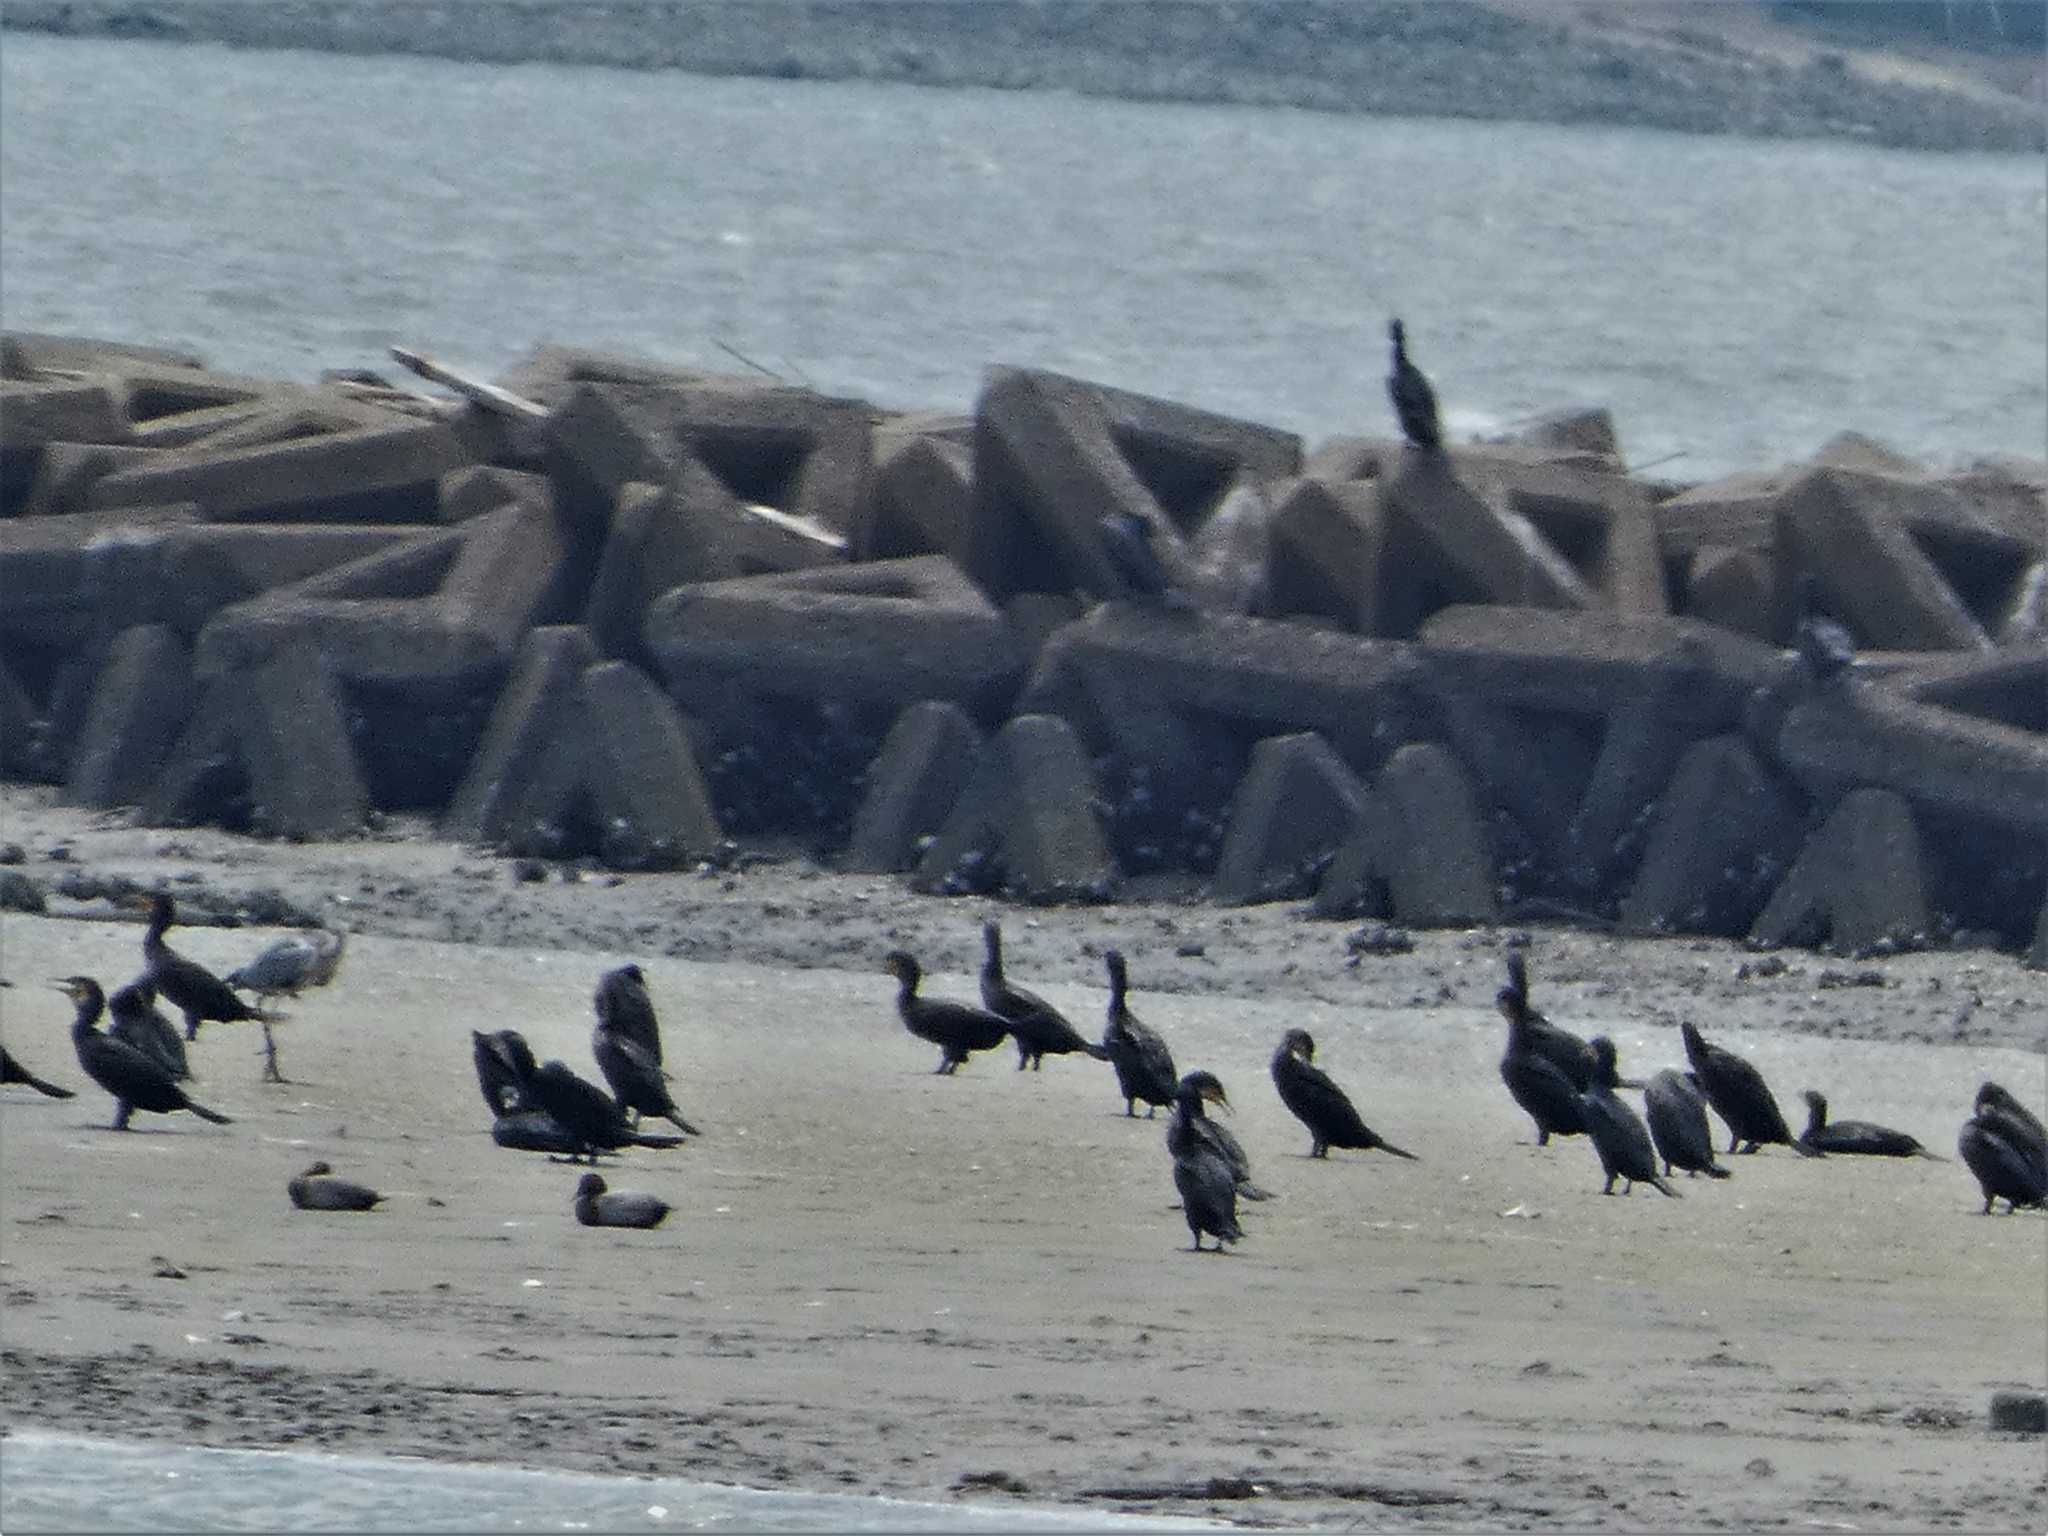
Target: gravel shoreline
x: 1436, y: 59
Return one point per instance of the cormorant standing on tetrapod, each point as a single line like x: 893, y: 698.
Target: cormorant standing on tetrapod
x: 1414, y: 400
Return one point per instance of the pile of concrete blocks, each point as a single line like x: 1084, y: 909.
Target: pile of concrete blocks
x: 656, y: 610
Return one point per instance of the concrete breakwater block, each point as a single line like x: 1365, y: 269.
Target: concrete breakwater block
x: 2037, y: 952
x: 1531, y: 658
x: 1734, y: 588
x: 268, y: 746
x: 64, y: 475
x: 924, y: 497
x: 53, y: 571
x: 1857, y: 885
x: 1600, y: 524
x: 888, y: 633
x: 449, y: 606
x: 1472, y: 549
x: 1295, y: 804
x: 804, y: 454
x: 2010, y: 685
x: 913, y: 784
x: 60, y: 411
x: 1980, y: 771
x: 140, y: 703
x: 1229, y: 557
x: 653, y: 807
x: 1333, y: 560
x: 1738, y: 511
x: 692, y: 529
x: 202, y: 569
x: 1053, y: 455
x: 1253, y: 677
x: 535, y: 709
x: 1419, y: 851
x: 1029, y: 822
x: 616, y: 774
x: 386, y: 474
x: 1724, y: 830
x: 18, y: 722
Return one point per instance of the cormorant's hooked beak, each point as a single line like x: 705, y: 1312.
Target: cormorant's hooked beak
x: 1216, y: 1095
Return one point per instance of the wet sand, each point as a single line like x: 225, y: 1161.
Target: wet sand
x: 879, y: 1280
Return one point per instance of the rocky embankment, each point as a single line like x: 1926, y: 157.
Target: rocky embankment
x: 1432, y: 59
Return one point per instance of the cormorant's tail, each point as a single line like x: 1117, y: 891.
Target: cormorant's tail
x: 682, y: 1125
x: 1932, y: 1157
x: 1800, y: 1145
x: 1251, y: 1191
x: 1388, y: 1146
x: 1665, y: 1188
x: 643, y: 1139
x: 1099, y: 1052
x: 47, y: 1090
x: 1716, y: 1171
x: 208, y: 1114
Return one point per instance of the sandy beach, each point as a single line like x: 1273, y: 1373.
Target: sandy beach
x: 880, y: 1280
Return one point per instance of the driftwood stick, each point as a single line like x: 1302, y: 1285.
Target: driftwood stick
x: 489, y: 396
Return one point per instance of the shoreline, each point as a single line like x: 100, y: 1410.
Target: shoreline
x: 877, y: 1280
x: 1497, y: 63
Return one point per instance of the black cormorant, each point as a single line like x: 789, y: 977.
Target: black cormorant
x: 1678, y: 1124
x: 317, y: 1190
x: 1543, y: 1089
x: 1183, y: 1128
x: 135, y: 1080
x: 1995, y: 1149
x: 1318, y: 1103
x: 957, y: 1029
x: 1739, y: 1096
x: 1996, y: 1101
x: 1856, y: 1137
x: 1572, y: 1056
x: 596, y: 1206
x: 586, y: 1112
x: 1127, y: 541
x: 1616, y: 1131
x: 624, y: 1006
x: 194, y: 990
x: 133, y: 1016
x: 1207, y: 1184
x: 12, y: 1071
x: 504, y: 1067
x: 1039, y: 1029
x: 637, y: 1080
x: 1414, y: 401
x: 1144, y: 1066
x: 1825, y: 647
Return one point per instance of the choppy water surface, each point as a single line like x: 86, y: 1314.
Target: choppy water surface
x: 1733, y: 300
x: 57, y: 1482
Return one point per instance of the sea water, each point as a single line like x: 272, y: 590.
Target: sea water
x: 1735, y: 302
x: 62, y: 1482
